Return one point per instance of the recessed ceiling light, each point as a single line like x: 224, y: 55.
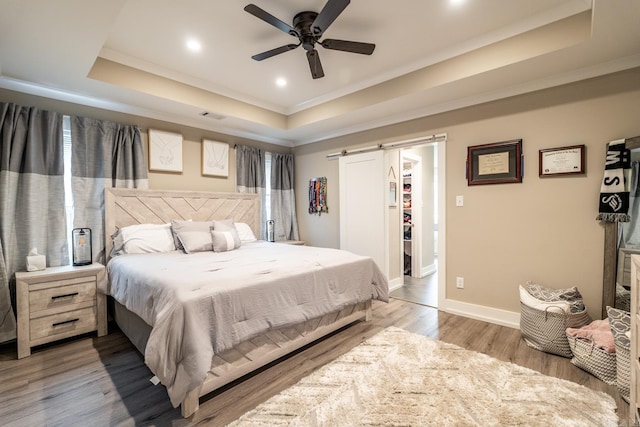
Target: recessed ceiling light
x: 281, y: 82
x: 456, y: 2
x: 194, y: 45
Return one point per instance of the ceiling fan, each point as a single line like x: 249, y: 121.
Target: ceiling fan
x: 309, y: 27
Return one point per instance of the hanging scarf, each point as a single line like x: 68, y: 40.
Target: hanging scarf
x: 318, y: 196
x: 614, y: 191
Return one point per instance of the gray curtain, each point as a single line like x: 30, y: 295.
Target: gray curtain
x: 283, y: 200
x: 250, y: 178
x: 103, y: 155
x: 31, y: 197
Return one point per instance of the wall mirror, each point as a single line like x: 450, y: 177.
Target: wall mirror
x: 621, y: 240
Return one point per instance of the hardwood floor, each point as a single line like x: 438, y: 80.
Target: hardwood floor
x: 90, y: 381
x: 422, y: 291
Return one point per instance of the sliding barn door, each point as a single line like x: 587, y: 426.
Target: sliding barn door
x: 362, y: 227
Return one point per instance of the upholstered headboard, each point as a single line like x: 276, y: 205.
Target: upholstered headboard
x: 124, y: 206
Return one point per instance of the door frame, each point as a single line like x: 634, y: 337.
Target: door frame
x: 441, y: 263
x: 441, y: 258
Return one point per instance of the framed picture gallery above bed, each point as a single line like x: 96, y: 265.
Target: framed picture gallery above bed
x: 165, y: 151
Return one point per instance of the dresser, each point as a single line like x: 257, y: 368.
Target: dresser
x: 58, y: 303
x: 634, y: 402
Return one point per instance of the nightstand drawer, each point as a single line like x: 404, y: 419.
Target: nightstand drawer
x: 61, y: 296
x: 63, y: 325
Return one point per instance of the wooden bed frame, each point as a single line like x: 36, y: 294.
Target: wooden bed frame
x: 125, y: 207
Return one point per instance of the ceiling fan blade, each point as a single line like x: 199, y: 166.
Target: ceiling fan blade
x: 327, y: 15
x: 274, y: 52
x: 348, y: 46
x: 270, y: 19
x: 314, y: 64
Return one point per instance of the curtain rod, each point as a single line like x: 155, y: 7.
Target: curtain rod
x: 391, y: 145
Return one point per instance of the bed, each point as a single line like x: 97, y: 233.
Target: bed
x: 239, y: 309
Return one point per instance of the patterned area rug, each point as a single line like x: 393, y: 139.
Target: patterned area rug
x: 398, y: 378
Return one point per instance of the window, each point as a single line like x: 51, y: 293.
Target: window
x: 267, y: 184
x: 68, y: 196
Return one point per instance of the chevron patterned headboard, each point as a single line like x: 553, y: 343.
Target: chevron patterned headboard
x: 124, y: 206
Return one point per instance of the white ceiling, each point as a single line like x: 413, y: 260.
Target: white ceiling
x: 431, y: 56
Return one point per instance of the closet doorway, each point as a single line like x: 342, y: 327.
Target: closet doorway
x: 419, y: 234
x: 411, y: 213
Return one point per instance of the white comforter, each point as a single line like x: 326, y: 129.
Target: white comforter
x: 204, y: 303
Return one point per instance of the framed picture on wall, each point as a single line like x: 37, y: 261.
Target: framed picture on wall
x: 215, y: 158
x: 561, y: 161
x: 165, y: 151
x: 496, y: 163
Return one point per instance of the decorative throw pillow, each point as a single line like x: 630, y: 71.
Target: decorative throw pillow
x: 195, y: 236
x: 620, y: 323
x: 225, y: 236
x: 245, y: 232
x: 176, y: 240
x: 225, y: 240
x: 561, y: 307
x: 570, y: 295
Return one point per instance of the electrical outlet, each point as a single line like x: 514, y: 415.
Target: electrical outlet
x: 460, y: 282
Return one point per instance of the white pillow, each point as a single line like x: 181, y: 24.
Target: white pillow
x: 560, y: 307
x: 245, y: 232
x: 143, y: 238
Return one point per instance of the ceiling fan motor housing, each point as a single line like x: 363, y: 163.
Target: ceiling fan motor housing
x: 302, y: 23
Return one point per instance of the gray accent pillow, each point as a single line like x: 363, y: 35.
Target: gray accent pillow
x: 176, y: 240
x: 620, y: 323
x: 225, y: 240
x: 570, y: 295
x: 195, y: 236
x: 224, y: 225
x: 225, y: 236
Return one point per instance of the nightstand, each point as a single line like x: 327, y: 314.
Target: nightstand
x: 57, y: 303
x: 291, y: 242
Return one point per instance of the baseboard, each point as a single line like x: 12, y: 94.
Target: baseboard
x: 395, y: 284
x: 429, y: 269
x: 480, y: 312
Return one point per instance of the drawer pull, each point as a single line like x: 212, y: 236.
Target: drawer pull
x: 55, y: 325
x: 64, y: 296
